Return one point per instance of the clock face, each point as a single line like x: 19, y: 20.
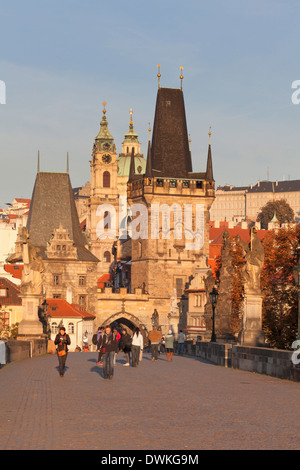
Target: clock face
x: 106, y: 158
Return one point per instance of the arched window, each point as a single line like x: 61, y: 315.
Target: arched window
x: 54, y: 328
x: 71, y: 328
x: 106, y: 179
x: 107, y: 257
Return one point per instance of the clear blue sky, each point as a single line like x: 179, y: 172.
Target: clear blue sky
x: 61, y: 59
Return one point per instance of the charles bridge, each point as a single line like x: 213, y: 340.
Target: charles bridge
x: 210, y: 398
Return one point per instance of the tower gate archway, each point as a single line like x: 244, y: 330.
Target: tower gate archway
x: 123, y: 320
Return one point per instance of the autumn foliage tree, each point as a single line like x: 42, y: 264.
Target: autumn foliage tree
x: 280, y: 299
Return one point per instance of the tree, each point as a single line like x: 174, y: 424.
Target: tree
x: 280, y: 299
x: 280, y: 208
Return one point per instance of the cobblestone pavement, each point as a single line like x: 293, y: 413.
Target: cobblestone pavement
x: 187, y: 404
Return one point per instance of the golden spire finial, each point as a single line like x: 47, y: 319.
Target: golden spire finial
x: 209, y: 141
x: 149, y: 129
x: 158, y: 75
x: 181, y: 76
x: 104, y: 104
x: 131, y: 113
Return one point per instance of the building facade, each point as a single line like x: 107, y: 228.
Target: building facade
x: 244, y: 203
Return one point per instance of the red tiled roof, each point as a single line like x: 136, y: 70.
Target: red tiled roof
x: 216, y: 234
x: 102, y: 280
x: 62, y: 308
x: 14, y: 269
x: 25, y: 201
x: 12, y: 291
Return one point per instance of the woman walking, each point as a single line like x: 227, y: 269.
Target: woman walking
x: 136, y: 347
x: 169, y: 344
x: 125, y: 345
x: 62, y: 341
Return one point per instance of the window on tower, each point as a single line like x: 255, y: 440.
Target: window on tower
x: 106, y: 179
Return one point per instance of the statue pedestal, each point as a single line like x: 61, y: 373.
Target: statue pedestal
x: 251, y: 333
x: 30, y: 324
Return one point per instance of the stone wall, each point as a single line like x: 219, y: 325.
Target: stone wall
x: 17, y: 350
x: 273, y: 362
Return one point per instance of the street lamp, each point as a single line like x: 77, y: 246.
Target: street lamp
x: 296, y: 271
x: 213, y: 299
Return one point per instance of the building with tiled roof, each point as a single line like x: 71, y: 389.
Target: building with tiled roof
x: 70, y: 269
x: 233, y: 203
x: 10, y: 302
x: 216, y: 240
x: 78, y: 322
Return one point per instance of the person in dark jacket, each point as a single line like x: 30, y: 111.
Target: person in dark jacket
x: 62, y: 341
x: 109, y: 344
x: 125, y: 345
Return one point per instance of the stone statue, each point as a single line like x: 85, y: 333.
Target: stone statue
x: 251, y: 333
x: 33, y: 266
x: 155, y: 319
x: 254, y: 257
x: 173, y: 302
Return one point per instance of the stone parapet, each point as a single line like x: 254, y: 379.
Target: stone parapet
x: 17, y: 350
x: 218, y: 353
x: 273, y: 362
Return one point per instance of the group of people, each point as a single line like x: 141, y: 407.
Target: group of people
x: 109, y: 342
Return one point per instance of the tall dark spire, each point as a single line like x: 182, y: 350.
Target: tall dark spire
x: 149, y: 162
x: 132, y: 166
x: 170, y: 146
x: 209, y: 167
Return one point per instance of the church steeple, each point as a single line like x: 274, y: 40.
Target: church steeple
x: 131, y: 140
x: 104, y: 140
x: 209, y: 167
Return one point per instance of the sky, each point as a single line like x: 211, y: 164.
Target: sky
x: 60, y: 60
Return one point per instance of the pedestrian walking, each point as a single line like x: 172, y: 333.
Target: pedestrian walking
x: 117, y: 336
x: 180, y: 339
x: 95, y: 341
x: 154, y: 337
x: 110, y: 345
x: 62, y: 341
x: 136, y: 347
x: 169, y: 344
x: 125, y: 345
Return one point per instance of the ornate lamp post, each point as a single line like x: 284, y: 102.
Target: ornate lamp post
x: 296, y: 271
x: 213, y: 299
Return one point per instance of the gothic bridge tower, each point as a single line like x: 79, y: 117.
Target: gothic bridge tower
x: 174, y: 224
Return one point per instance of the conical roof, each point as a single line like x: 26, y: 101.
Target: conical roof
x: 52, y: 206
x: 170, y: 146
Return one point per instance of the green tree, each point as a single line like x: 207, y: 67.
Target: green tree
x: 280, y: 208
